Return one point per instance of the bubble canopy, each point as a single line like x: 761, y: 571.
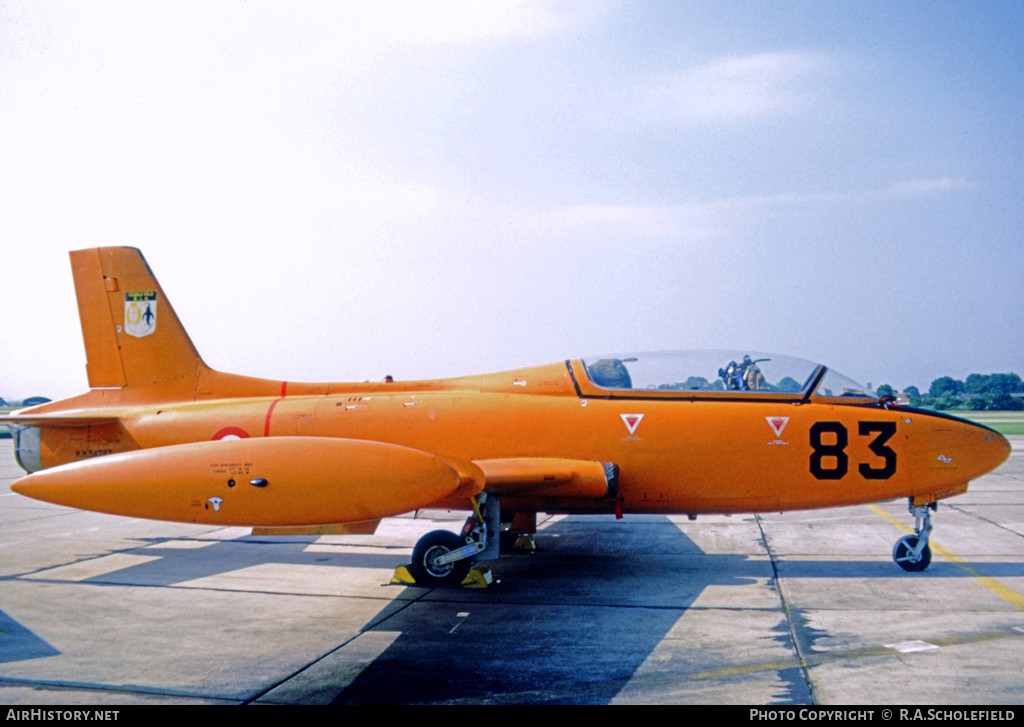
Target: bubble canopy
x: 700, y: 374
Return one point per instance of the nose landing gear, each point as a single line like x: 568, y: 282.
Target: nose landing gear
x: 911, y: 552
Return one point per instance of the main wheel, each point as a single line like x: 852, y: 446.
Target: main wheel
x: 901, y: 553
x: 429, y: 547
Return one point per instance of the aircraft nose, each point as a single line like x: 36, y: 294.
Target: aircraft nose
x: 957, y: 451
x: 999, y: 448
x: 983, y: 449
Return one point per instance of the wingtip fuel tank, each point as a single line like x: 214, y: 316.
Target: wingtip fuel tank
x: 279, y: 481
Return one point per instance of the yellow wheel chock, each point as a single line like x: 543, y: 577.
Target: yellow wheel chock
x: 479, y: 576
x: 525, y: 542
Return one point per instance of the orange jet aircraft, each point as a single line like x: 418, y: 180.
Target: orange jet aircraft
x: 160, y: 435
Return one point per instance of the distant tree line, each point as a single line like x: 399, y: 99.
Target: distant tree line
x: 980, y: 392
x: 15, y: 404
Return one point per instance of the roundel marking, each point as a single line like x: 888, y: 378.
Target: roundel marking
x: 231, y: 433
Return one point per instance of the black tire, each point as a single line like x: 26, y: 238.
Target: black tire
x: 431, y: 545
x: 903, y: 547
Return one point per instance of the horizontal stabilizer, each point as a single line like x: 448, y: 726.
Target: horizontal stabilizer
x: 267, y: 482
x: 62, y: 419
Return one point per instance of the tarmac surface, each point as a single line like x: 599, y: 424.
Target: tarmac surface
x: 794, y: 608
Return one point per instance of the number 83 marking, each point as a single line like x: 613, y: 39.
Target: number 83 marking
x: 830, y: 461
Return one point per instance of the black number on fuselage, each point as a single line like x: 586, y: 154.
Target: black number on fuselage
x: 835, y: 451
x: 829, y: 460
x: 885, y: 430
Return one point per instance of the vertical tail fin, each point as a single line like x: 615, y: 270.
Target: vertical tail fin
x: 132, y: 335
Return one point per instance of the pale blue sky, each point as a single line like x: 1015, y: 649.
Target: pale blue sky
x: 336, y: 191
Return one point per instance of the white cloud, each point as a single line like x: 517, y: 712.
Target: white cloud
x: 705, y: 222
x: 910, y: 188
x: 732, y: 87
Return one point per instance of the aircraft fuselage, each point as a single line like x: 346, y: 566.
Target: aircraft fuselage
x: 682, y: 455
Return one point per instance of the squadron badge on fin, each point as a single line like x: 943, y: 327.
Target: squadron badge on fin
x: 140, y: 312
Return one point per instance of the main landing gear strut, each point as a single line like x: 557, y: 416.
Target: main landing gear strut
x: 442, y: 558
x: 911, y: 552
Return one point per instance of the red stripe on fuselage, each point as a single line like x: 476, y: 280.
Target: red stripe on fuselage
x: 270, y: 411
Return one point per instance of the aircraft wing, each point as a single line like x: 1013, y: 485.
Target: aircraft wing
x: 564, y: 477
x: 534, y: 475
x: 292, y: 481
x: 363, y: 527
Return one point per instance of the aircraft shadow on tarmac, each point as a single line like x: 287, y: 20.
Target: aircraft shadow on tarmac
x: 20, y: 644
x: 604, y: 597
x: 569, y: 623
x: 572, y: 622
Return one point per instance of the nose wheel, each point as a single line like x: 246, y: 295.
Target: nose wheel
x: 911, y: 552
x: 908, y: 556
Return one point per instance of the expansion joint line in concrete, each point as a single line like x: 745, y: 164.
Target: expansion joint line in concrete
x: 785, y: 609
x: 982, y: 518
